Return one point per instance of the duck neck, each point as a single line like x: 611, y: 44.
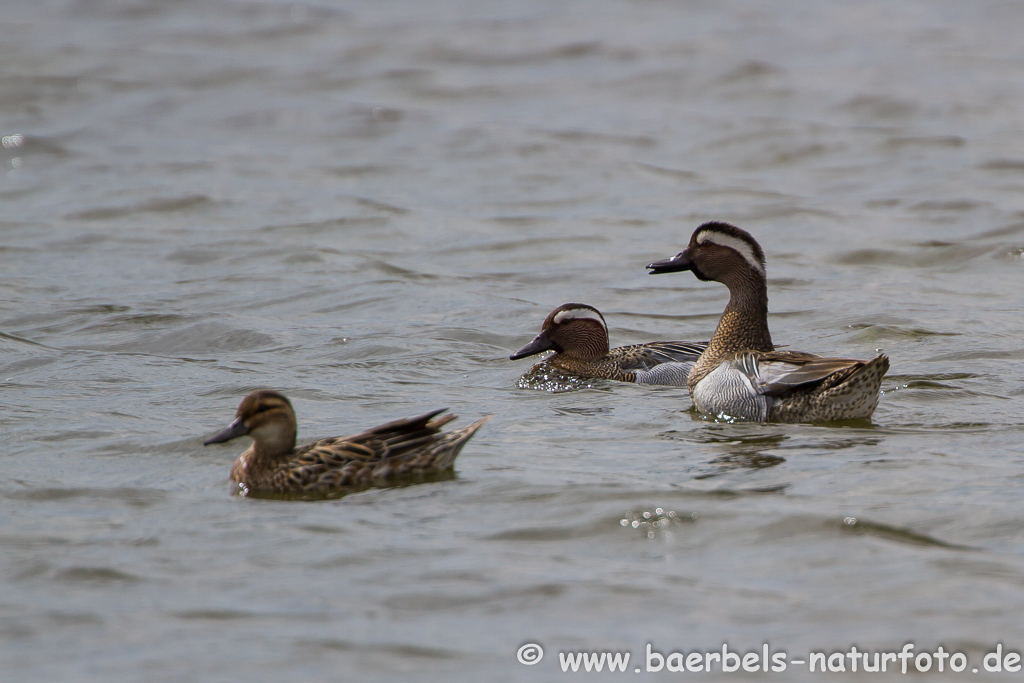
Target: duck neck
x: 743, y: 326
x: 584, y: 343
x: 270, y: 449
x: 587, y: 353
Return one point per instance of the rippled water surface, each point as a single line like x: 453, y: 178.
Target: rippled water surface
x: 369, y: 205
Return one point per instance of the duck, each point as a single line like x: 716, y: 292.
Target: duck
x: 578, y: 335
x: 389, y: 454
x: 741, y: 374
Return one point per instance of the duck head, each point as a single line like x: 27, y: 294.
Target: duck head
x: 265, y: 416
x: 717, y: 251
x: 576, y: 330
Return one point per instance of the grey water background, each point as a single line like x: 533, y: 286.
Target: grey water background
x: 369, y: 205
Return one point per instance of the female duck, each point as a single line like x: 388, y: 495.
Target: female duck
x: 740, y: 374
x: 578, y: 336
x: 381, y: 456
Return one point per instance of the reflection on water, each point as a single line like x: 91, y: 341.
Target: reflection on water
x: 896, y: 534
x: 546, y: 377
x: 741, y: 451
x: 653, y: 522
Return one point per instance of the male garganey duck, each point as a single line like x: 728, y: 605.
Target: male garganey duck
x: 578, y: 336
x: 740, y: 374
x: 382, y: 456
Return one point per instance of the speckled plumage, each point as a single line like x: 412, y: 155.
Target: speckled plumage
x: 740, y: 374
x: 578, y: 336
x: 385, y: 455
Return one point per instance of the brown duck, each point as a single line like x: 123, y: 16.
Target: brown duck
x: 578, y: 335
x: 389, y: 454
x: 740, y: 374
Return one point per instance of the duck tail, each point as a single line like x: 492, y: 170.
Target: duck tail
x: 860, y: 392
x: 450, y: 445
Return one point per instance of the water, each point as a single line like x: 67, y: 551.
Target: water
x: 368, y: 206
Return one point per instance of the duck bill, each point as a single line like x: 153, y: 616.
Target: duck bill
x: 540, y: 343
x: 234, y: 430
x: 677, y: 263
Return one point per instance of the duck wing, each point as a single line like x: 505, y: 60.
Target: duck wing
x: 384, y: 441
x: 647, y: 356
x: 352, y: 460
x: 778, y: 372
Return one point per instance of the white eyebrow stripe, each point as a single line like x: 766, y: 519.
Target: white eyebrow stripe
x: 735, y: 243
x: 579, y: 313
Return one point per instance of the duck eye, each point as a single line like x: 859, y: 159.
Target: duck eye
x: 262, y: 409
